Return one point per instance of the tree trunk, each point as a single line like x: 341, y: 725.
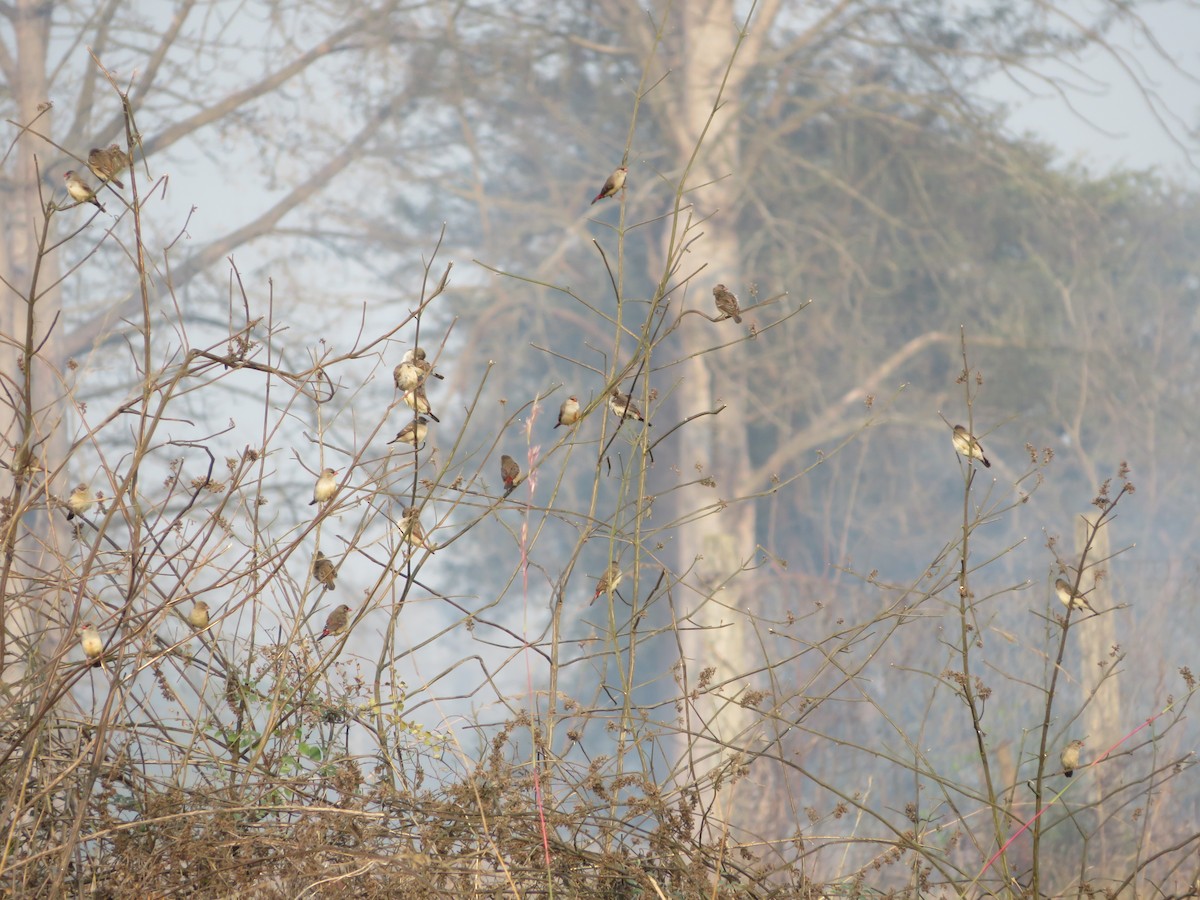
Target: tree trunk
x: 27, y: 445
x: 717, y: 445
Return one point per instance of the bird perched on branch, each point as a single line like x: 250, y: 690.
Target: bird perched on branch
x: 1070, y: 757
x: 727, y: 303
x: 966, y: 444
x: 568, y: 413
x: 510, y: 471
x: 1071, y: 597
x: 622, y: 405
x: 108, y: 164
x: 326, y: 486
x: 198, y: 617
x: 608, y: 581
x: 419, y: 403
x: 411, y: 530
x: 92, y: 643
x: 413, y: 370
x: 412, y: 433
x: 612, y: 184
x: 80, y: 191
x: 336, y: 623
x: 79, y: 501
x: 324, y: 571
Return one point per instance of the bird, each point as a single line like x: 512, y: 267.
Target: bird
x: 325, y: 487
x: 411, y: 530
x: 324, y: 571
x: 1071, y: 598
x: 413, y: 371
x: 412, y: 433
x: 336, y: 623
x: 407, y: 376
x: 79, y: 190
x: 79, y: 501
x: 419, y: 403
x: 727, y: 303
x: 108, y: 164
x: 510, y: 472
x: 1070, y: 757
x: 417, y: 357
x: 568, y: 413
x: 608, y: 581
x: 623, y: 406
x: 966, y: 444
x: 92, y: 643
x: 198, y: 617
x: 612, y: 184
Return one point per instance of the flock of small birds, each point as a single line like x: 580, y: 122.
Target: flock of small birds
x: 106, y: 165
x: 410, y: 377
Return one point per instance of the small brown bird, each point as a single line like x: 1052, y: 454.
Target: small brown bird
x: 336, y: 623
x: 568, y: 413
x: 413, y: 371
x: 324, y: 571
x: 80, y: 191
x: 612, y: 184
x: 1070, y: 597
x: 412, y: 433
x: 326, y: 486
x: 608, y: 581
x: 108, y: 164
x: 510, y: 471
x: 1070, y: 757
x: 418, y: 358
x: 419, y: 403
x: 198, y: 617
x: 727, y: 303
x: 92, y: 643
x: 79, y: 501
x: 966, y: 444
x: 623, y: 406
x: 407, y: 377
x: 411, y: 530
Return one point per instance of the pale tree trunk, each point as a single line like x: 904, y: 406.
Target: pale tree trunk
x: 715, y: 547
x: 27, y: 432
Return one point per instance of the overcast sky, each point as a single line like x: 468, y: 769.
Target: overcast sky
x: 1123, y: 133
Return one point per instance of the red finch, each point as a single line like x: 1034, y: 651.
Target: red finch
x: 510, y: 471
x: 966, y: 444
x: 612, y: 184
x: 608, y: 581
x: 336, y: 623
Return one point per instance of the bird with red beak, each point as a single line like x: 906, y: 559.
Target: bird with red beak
x: 614, y: 183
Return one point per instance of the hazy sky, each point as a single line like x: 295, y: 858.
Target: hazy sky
x: 1123, y: 131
